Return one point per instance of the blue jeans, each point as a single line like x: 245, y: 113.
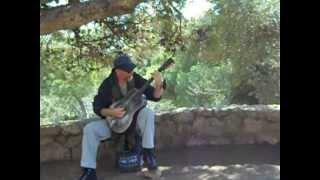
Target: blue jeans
x: 97, y: 131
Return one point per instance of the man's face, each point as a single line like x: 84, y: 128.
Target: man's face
x: 125, y: 75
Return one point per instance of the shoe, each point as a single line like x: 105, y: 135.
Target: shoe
x: 88, y: 174
x: 150, y: 174
x: 150, y: 159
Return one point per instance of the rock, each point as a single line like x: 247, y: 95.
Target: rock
x: 54, y: 151
x: 166, y: 132
x: 202, y: 126
x: 45, y: 141
x: 158, y: 118
x: 185, y: 117
x: 216, y: 126
x: 204, y: 112
x: 268, y: 137
x: 61, y: 139
x: 180, y: 141
x: 208, y: 127
x: 50, y: 131
x: 73, y: 129
x: 73, y: 141
x: 271, y: 127
x: 219, y: 141
x: 232, y: 125
x: 221, y: 114
x: 196, y: 141
x: 244, y: 139
x: 76, y: 152
x: 159, y: 145
x: 273, y: 116
x: 185, y: 130
x: 252, y: 126
x: 243, y: 124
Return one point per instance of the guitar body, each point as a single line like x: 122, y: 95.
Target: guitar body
x: 132, y: 102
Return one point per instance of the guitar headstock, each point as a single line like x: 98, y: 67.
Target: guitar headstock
x: 166, y: 64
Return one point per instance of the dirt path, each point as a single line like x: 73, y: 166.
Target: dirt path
x: 229, y: 162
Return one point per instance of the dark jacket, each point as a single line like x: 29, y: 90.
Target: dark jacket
x: 104, y: 97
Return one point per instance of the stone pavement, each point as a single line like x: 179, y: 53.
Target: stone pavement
x: 224, y: 162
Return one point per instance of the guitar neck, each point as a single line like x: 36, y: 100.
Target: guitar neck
x: 162, y: 68
x: 144, y: 87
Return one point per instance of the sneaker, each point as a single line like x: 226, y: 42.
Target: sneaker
x: 150, y: 174
x: 88, y: 174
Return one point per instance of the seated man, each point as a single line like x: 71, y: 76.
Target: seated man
x: 114, y: 87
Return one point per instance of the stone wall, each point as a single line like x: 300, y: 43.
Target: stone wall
x: 181, y: 127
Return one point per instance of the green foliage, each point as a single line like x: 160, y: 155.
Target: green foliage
x: 231, y: 55
x: 246, y: 33
x: 204, y: 85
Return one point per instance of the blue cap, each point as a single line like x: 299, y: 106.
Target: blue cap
x: 123, y: 62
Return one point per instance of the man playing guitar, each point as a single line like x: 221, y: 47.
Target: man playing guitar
x: 114, y: 87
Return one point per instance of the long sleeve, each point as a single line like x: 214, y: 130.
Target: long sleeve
x: 139, y: 82
x: 103, y: 99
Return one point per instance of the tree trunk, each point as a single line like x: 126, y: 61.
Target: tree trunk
x: 74, y: 15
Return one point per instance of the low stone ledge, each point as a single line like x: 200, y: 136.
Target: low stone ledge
x: 235, y: 124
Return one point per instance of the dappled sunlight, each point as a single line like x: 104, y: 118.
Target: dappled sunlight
x: 195, y: 9
x: 174, y: 168
x: 217, y: 168
x: 228, y: 172
x: 234, y: 176
x: 204, y: 176
x: 165, y: 168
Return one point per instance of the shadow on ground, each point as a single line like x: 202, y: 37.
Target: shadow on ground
x: 227, y: 162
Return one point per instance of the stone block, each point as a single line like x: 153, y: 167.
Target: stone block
x: 46, y: 140
x: 220, y: 141
x: 252, y: 126
x: 54, y: 151
x: 244, y: 139
x: 72, y: 129
x: 61, y: 139
x: 50, y: 131
x: 268, y: 137
x: 196, y: 141
x: 232, y: 125
x: 73, y: 141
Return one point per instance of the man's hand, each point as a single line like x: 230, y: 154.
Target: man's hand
x: 114, y: 112
x: 158, y: 84
x: 157, y: 79
x: 118, y: 112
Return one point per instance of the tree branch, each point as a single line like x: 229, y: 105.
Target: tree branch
x: 75, y: 15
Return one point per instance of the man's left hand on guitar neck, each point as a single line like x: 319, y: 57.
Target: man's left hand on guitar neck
x: 158, y: 84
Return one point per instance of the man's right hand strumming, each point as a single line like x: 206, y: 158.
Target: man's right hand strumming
x: 114, y: 112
